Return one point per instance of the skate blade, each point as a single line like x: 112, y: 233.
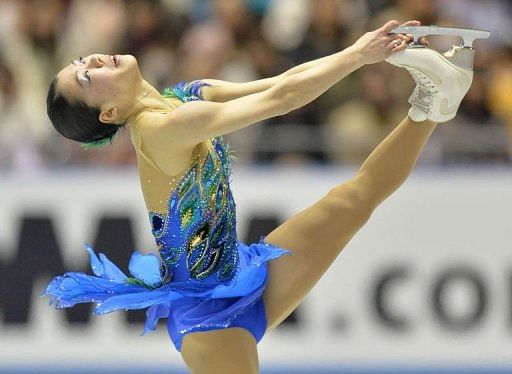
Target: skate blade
x: 468, y: 35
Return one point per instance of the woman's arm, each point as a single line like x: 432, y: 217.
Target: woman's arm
x: 222, y: 91
x: 197, y: 121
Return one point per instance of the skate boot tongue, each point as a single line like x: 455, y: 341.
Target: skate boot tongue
x: 422, y: 96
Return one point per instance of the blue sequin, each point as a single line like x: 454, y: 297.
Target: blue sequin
x: 203, y: 210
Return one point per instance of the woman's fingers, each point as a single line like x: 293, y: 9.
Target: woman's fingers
x: 408, y: 37
x: 394, y: 43
x: 397, y: 45
x: 400, y: 41
x: 411, y: 23
x: 389, y: 26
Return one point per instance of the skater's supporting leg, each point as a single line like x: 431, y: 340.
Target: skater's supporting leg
x: 226, y: 351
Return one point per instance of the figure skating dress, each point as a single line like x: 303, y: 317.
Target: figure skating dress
x: 204, y: 278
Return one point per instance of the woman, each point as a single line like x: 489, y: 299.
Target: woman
x: 219, y: 295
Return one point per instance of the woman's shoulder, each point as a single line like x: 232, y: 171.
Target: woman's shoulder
x: 163, y: 154
x: 149, y: 126
x: 154, y: 138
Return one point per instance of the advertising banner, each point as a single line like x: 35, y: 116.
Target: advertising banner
x: 426, y: 283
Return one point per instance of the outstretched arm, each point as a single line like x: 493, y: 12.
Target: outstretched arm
x: 221, y: 91
x: 197, y: 121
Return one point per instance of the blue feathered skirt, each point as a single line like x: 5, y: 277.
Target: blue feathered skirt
x: 189, y: 306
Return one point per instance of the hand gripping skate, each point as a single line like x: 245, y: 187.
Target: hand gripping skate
x: 442, y: 80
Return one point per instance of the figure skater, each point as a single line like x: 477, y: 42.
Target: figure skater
x: 219, y: 295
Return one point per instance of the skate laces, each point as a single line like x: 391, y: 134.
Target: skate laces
x: 425, y: 88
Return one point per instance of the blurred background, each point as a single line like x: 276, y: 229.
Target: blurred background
x: 54, y: 195
x: 242, y: 40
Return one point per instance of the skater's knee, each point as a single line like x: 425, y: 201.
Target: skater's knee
x: 348, y: 198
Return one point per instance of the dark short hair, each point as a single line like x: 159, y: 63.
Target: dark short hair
x: 78, y: 121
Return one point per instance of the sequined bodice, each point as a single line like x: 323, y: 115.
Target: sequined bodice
x: 197, y: 237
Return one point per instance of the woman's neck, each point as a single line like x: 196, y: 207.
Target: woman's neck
x: 148, y: 99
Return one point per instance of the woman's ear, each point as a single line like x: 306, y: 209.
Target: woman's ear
x: 109, y: 116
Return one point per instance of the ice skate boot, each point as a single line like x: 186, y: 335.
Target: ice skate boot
x: 442, y: 80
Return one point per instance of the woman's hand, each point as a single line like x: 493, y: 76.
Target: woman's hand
x: 377, y: 45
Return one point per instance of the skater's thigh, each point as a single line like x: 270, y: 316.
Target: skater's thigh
x: 315, y: 236
x: 226, y: 351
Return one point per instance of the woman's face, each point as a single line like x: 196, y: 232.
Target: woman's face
x: 101, y: 81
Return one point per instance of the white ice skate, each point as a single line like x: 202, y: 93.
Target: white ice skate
x: 442, y: 80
